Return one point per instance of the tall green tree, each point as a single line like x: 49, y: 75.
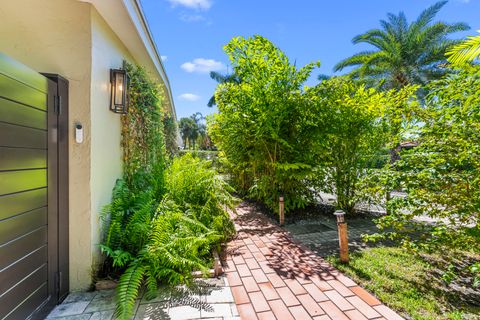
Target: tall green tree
x: 198, y: 128
x: 403, y: 53
x: 264, y: 127
x: 187, y: 127
x: 191, y: 128
x: 202, y: 136
x: 355, y: 130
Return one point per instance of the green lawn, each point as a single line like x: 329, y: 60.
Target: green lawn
x: 406, y: 283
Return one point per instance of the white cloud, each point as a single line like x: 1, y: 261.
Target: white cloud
x: 192, y: 4
x: 202, y: 65
x: 164, y: 58
x: 189, y: 97
x: 192, y: 17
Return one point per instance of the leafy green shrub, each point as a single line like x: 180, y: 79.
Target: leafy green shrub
x: 278, y: 138
x: 209, y: 155
x: 441, y: 175
x: 355, y: 131
x: 200, y: 192
x: 149, y: 239
x: 264, y: 128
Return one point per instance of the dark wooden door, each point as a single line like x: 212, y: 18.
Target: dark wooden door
x: 58, y: 148
x: 29, y: 186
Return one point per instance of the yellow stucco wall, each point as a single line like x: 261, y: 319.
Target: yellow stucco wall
x: 70, y: 38
x: 106, y: 166
x: 54, y: 36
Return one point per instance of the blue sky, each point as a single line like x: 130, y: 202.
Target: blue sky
x: 190, y: 34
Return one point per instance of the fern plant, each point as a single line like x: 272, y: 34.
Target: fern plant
x: 177, y: 245
x: 196, y: 187
x: 151, y: 239
x: 126, y: 220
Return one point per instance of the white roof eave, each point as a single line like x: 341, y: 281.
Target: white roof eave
x: 127, y: 21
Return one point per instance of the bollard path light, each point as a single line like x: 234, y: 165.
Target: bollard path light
x: 281, y: 211
x: 342, y: 235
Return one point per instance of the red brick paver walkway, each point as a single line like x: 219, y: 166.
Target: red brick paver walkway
x: 273, y: 277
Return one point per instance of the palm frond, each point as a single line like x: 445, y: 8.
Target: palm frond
x: 211, y: 102
x: 376, y: 38
x: 356, y: 59
x: 428, y: 14
x: 456, y: 27
x: 397, y: 25
x: 217, y: 76
x: 322, y: 77
x: 221, y: 79
x: 467, y: 51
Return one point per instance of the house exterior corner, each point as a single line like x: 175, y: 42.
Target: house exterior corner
x: 81, y: 42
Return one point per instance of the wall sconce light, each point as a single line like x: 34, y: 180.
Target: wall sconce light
x: 118, y: 96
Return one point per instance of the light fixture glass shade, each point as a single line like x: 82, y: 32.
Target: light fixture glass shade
x: 118, y: 80
x: 340, y: 214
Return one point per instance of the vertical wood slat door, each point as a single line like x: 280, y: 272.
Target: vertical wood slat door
x: 27, y: 205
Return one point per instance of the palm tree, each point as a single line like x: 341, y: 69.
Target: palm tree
x: 187, y: 127
x: 196, y: 119
x: 222, y: 78
x: 203, y: 136
x: 404, y: 53
x: 466, y: 51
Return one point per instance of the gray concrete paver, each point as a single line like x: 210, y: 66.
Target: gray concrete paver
x: 207, y: 299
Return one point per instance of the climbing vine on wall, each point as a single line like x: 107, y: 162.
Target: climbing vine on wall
x: 142, y: 132
x: 171, y: 132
